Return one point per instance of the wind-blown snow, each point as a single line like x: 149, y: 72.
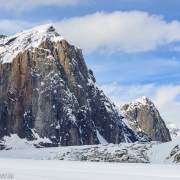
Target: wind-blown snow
x: 11, y: 46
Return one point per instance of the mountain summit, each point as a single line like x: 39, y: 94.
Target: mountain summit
x: 11, y: 46
x: 146, y: 120
x: 50, y: 97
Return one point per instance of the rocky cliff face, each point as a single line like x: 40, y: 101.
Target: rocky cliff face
x: 146, y: 120
x: 47, y: 92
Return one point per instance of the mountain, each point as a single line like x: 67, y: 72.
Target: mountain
x: 145, y: 120
x: 50, y: 97
x: 174, y: 130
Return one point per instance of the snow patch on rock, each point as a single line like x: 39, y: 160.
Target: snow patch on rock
x: 101, y: 139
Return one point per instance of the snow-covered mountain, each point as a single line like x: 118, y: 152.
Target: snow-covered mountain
x: 28, y: 39
x: 50, y: 97
x: 145, y: 120
x: 174, y: 130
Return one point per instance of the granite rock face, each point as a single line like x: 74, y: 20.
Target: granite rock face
x: 145, y: 120
x: 47, y: 92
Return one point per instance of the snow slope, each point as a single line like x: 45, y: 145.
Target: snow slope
x: 160, y: 153
x: 11, y: 46
x: 24, y: 169
x: 15, y: 142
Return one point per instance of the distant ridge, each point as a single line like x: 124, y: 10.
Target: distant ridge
x: 174, y: 130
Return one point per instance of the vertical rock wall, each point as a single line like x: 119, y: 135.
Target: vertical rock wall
x: 146, y: 120
x: 49, y: 92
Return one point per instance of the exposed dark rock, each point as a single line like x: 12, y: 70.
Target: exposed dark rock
x: 146, y: 120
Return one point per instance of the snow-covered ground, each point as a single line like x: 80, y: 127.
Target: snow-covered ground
x: 28, y: 162
x: 152, y: 152
x: 24, y: 169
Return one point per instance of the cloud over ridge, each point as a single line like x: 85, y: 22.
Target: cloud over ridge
x: 131, y: 31
x: 163, y: 96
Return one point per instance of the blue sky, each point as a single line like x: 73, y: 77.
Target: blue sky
x: 132, y: 46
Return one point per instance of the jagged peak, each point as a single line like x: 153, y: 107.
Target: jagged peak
x: 46, y: 28
x: 144, y: 98
x: 11, y: 46
x: 143, y: 101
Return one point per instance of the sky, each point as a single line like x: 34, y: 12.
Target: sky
x: 132, y: 46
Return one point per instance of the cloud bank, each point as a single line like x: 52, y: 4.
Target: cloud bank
x: 131, y: 31
x: 164, y: 97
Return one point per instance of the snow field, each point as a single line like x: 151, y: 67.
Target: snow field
x: 25, y: 169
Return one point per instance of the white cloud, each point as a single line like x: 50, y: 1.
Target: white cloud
x: 165, y: 100
x: 14, y: 26
x: 19, y: 5
x: 164, y: 97
x: 131, y: 31
x: 123, y: 94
